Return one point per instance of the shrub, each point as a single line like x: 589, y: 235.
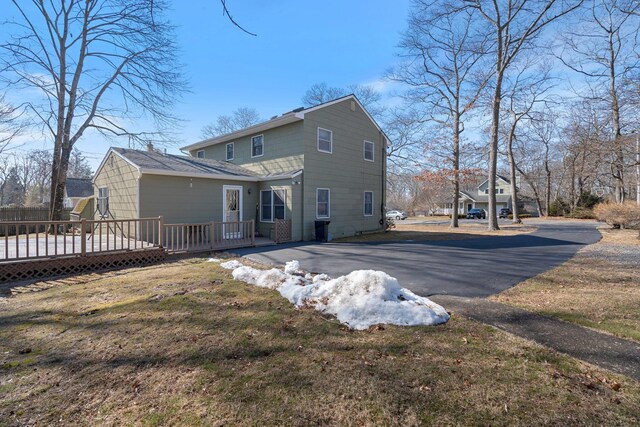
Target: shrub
x: 581, y: 213
x: 619, y: 215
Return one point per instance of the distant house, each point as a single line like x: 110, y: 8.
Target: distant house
x: 76, y: 189
x: 324, y: 163
x: 480, y: 198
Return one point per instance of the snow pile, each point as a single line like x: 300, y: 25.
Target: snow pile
x: 230, y: 265
x: 214, y: 260
x: 359, y: 300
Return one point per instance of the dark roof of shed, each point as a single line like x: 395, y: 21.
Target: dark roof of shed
x: 79, y: 187
x: 152, y: 160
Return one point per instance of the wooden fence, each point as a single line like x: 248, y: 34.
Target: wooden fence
x: 23, y: 214
x: 208, y: 236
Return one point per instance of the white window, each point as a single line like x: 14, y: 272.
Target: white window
x: 325, y: 140
x: 272, y: 205
x: 230, y: 151
x: 368, y: 151
x: 368, y: 203
x: 200, y: 154
x: 257, y: 146
x: 323, y: 203
x: 103, y: 201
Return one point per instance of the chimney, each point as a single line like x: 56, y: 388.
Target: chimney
x: 149, y: 147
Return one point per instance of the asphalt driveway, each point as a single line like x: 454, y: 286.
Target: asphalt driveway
x: 476, y: 267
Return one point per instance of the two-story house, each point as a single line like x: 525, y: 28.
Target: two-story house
x: 323, y: 163
x: 480, y: 198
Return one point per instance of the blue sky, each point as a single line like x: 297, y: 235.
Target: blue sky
x: 298, y: 44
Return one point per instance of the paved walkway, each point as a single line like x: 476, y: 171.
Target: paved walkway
x: 618, y: 355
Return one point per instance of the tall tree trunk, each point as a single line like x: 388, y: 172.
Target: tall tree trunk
x: 618, y: 164
x: 547, y: 195
x: 456, y: 171
x: 512, y: 176
x: 493, y: 152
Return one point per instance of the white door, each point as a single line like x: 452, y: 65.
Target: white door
x: 232, y: 213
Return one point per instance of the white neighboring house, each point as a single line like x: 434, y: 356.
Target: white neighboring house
x: 480, y: 199
x: 76, y: 189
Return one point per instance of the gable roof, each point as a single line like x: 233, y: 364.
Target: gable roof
x: 502, y: 177
x: 284, y: 119
x: 155, y: 163
x: 79, y: 187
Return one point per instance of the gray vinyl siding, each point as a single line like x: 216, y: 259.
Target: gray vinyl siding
x: 191, y: 200
x: 344, y: 171
x: 293, y: 206
x: 283, y: 151
x: 121, y: 178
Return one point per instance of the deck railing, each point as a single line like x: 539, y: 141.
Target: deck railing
x: 50, y: 239
x: 208, y: 236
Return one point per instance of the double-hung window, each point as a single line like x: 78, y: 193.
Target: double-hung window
x: 257, y: 146
x: 230, y: 151
x: 368, y: 203
x: 272, y: 205
x: 325, y: 140
x: 103, y: 201
x: 323, y: 203
x: 368, y: 151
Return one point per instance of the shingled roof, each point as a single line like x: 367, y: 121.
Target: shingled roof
x: 155, y: 161
x: 77, y: 187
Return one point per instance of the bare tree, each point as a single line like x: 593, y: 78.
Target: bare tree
x: 9, y: 127
x: 603, y: 47
x: 79, y: 167
x: 241, y: 118
x: 320, y: 93
x: 526, y: 87
x: 515, y: 26
x: 441, y: 55
x: 95, y: 62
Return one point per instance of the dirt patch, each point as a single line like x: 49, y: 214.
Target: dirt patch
x: 185, y: 344
x: 598, y: 288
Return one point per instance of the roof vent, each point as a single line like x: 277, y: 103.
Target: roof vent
x: 297, y: 110
x: 274, y: 117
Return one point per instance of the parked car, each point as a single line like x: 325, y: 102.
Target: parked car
x: 504, y: 213
x: 476, y: 214
x: 396, y: 215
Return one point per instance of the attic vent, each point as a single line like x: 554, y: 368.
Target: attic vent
x: 353, y: 105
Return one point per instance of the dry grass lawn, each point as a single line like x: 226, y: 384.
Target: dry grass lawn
x: 184, y: 344
x: 598, y: 288
x: 419, y: 232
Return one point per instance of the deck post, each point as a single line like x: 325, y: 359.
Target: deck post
x: 211, y: 234
x: 253, y: 232
x: 160, y: 231
x: 83, y: 237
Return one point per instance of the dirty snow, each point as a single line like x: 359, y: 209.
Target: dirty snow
x: 214, y: 260
x: 359, y: 300
x: 230, y: 265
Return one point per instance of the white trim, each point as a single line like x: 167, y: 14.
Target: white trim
x: 328, y: 204
x: 260, y: 219
x: 273, y: 204
x: 138, y: 201
x: 226, y: 151
x: 251, y: 146
x: 364, y: 202
x: 224, y: 200
x: 364, y: 150
x: 201, y: 175
x: 198, y: 154
x: 330, y: 140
